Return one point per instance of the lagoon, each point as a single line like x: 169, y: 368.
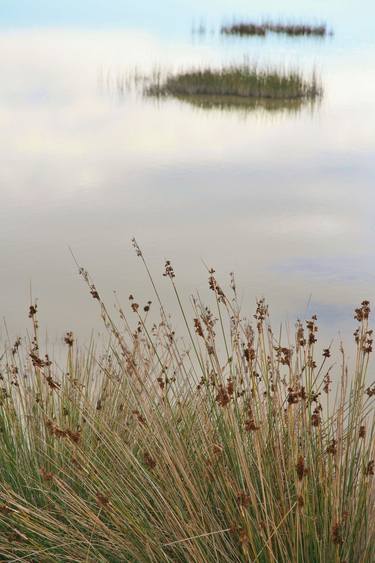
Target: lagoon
x: 283, y: 199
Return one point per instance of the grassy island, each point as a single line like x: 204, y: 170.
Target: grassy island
x: 241, y: 83
x: 237, y: 444
x: 262, y: 29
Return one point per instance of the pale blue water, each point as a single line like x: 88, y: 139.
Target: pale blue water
x: 286, y: 201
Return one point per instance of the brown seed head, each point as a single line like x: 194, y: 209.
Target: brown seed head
x: 102, y: 500
x: 261, y: 312
x: 337, y: 534
x: 222, y: 396
x: 369, y: 471
x: 169, y: 272
x: 315, y: 418
x: 16, y: 345
x: 284, y: 355
x: 46, y: 475
x: 94, y: 292
x: 300, y: 468
x: 332, y: 448
x: 149, y: 461
x: 69, y: 339
x: 4, y: 509
x: 243, y: 499
x: 362, y: 313
x: 136, y: 248
x: 198, y: 328
x: 32, y: 311
x: 327, y: 381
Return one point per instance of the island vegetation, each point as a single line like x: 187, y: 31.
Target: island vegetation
x: 262, y: 29
x: 239, y: 83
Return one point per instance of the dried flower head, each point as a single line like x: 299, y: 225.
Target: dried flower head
x: 243, y: 499
x: 370, y: 468
x: 51, y: 383
x: 69, y: 339
x: 300, y: 334
x: 33, y: 311
x: 366, y: 342
x: 312, y: 330
x: 327, y: 381
x: 332, y: 448
x: 301, y: 468
x: 46, y: 475
x: 16, y: 345
x: 222, y: 396
x: 316, y: 418
x: 169, y: 272
x: 136, y: 247
x: 4, y: 509
x: 337, y: 534
x: 284, y: 355
x: 198, y: 328
x: 102, y: 500
x: 149, y: 461
x: 214, y: 286
x: 362, y: 313
x: 261, y: 312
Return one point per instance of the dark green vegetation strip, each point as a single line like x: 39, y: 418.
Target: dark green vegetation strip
x: 237, y: 82
x: 249, y: 28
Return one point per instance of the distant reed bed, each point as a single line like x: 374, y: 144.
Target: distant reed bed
x: 262, y: 29
x: 237, y: 82
x: 234, y: 443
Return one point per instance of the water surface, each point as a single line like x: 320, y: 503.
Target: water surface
x: 284, y: 199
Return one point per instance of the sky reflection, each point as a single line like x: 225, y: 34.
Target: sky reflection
x: 286, y: 202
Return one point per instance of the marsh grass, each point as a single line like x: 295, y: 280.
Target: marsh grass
x: 230, y: 444
x: 236, y: 82
x: 292, y: 30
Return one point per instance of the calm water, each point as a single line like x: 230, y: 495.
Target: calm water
x: 284, y: 200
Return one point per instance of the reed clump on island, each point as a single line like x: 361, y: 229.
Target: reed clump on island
x: 237, y: 82
x: 237, y: 446
x: 262, y: 29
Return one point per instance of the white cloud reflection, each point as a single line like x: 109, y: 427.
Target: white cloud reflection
x: 81, y: 167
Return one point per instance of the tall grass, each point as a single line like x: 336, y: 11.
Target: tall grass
x: 234, y: 445
x: 241, y: 82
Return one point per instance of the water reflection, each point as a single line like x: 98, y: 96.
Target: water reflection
x: 274, y: 200
x: 243, y: 106
x: 132, y: 84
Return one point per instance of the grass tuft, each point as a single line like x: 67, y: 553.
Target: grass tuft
x: 241, y: 446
